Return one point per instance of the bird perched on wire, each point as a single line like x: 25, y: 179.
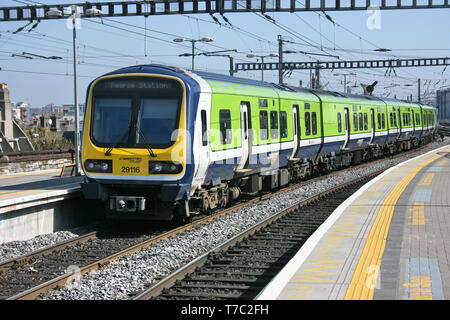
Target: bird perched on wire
x: 368, y: 89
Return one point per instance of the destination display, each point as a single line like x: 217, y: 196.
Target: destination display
x: 154, y: 83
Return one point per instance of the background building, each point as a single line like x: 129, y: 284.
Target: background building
x: 443, y: 103
x: 12, y: 138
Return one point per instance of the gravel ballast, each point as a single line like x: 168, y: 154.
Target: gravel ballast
x: 128, y: 275
x: 16, y: 249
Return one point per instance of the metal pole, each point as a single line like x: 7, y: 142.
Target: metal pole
x: 345, y: 83
x: 418, y: 90
x: 75, y: 98
x: 231, y: 65
x: 280, y: 60
x: 262, y: 68
x: 317, y: 76
x: 193, y: 50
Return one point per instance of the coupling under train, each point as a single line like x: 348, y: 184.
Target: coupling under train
x: 166, y: 143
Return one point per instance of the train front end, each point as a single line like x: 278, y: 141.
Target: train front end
x: 134, y: 144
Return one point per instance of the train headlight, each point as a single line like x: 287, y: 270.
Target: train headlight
x: 164, y: 167
x: 156, y: 168
x: 90, y: 165
x: 102, y: 166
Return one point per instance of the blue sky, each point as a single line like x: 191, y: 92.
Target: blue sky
x: 139, y: 40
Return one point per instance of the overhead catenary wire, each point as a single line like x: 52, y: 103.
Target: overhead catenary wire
x: 263, y: 44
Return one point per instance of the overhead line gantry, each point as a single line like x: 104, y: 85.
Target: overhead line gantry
x: 168, y: 7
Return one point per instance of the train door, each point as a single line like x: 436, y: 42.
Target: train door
x: 400, y: 124
x: 347, y: 127
x: 296, y: 128
x: 372, y: 123
x: 244, y: 135
x: 413, y: 122
x: 202, y: 151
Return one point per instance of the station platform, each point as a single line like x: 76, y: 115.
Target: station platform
x: 21, y: 188
x: 388, y: 241
x: 35, y: 203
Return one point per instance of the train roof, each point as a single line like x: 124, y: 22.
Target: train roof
x: 283, y: 90
x: 236, y: 80
x: 427, y: 107
x: 280, y: 91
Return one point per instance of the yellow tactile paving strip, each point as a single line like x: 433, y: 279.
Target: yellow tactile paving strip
x: 376, y: 240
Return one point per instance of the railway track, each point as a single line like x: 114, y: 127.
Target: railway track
x: 241, y: 267
x: 49, y: 267
x: 31, y: 275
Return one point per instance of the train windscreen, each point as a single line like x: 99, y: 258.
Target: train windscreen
x: 135, y: 112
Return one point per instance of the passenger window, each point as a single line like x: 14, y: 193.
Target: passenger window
x: 225, y: 126
x: 307, y: 124
x: 339, y: 122
x: 365, y: 121
x: 273, y: 125
x: 263, y: 103
x: 361, y: 124
x: 263, y: 125
x: 204, y: 128
x: 314, y: 123
x: 379, y: 120
x: 283, y: 124
x: 355, y: 121
x: 395, y: 119
x: 383, y: 121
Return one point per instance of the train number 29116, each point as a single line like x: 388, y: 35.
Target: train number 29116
x: 126, y: 169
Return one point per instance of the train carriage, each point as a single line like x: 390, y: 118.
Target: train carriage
x: 166, y: 143
x: 407, y: 125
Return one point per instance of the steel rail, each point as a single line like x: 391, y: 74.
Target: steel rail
x: 34, y: 292
x: 24, y: 259
x: 199, y: 261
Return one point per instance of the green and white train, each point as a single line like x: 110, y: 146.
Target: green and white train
x: 162, y: 142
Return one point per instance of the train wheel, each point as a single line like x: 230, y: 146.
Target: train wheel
x: 181, y: 214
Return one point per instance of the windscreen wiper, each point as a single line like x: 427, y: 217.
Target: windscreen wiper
x: 147, y: 145
x: 127, y: 129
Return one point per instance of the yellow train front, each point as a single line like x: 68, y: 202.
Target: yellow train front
x: 134, y: 143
